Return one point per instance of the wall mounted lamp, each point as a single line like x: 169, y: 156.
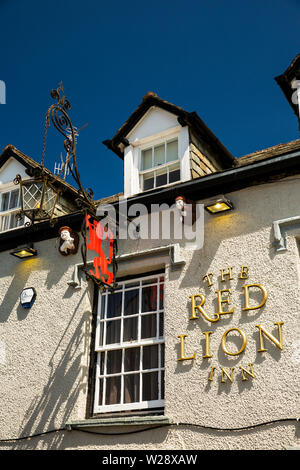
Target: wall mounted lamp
x: 23, y: 252
x: 218, y: 205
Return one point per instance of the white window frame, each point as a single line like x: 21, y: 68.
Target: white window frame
x: 157, y: 168
x: 159, y: 340
x: 9, y: 212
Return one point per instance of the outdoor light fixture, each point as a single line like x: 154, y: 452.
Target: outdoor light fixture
x: 24, y: 252
x: 218, y: 205
x: 38, y: 197
x: 28, y: 297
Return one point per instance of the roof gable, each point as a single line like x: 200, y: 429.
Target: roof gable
x: 10, y: 169
x: 154, y: 121
x: 184, y: 118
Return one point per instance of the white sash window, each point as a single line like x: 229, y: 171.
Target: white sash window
x: 159, y: 165
x: 130, y: 346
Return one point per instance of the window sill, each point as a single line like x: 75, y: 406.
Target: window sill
x: 126, y: 421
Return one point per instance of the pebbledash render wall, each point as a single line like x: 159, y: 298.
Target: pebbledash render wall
x: 45, y: 350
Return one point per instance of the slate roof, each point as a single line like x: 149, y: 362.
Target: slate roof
x: 270, y: 152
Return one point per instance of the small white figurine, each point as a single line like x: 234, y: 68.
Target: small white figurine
x: 186, y: 209
x: 67, y: 241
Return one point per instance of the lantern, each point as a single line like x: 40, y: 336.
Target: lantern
x: 38, y: 197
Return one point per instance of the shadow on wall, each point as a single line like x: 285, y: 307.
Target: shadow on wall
x: 67, y: 378
x: 15, y: 275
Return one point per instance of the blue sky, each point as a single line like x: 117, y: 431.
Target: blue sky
x: 217, y: 58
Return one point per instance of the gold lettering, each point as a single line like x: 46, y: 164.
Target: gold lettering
x: 199, y: 308
x: 223, y: 301
x: 211, y: 375
x: 207, y: 344
x: 223, y: 342
x: 182, y: 349
x: 246, y: 296
x: 244, y: 272
x: 224, y: 273
x: 207, y: 278
x: 277, y: 342
x: 251, y: 373
x: 225, y: 373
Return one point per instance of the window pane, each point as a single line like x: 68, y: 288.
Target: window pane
x: 131, y: 302
x: 162, y: 389
x: 130, y: 329
x: 102, y: 307
x: 14, y: 196
x: 113, y: 332
x: 150, y: 386
x: 49, y: 199
x: 161, y: 296
x: 4, y: 202
x: 102, y: 358
x: 172, y: 150
x: 114, y: 305
x: 5, y: 222
x: 113, y: 390
x: 149, y: 281
x: 162, y: 178
x: 132, y: 359
x: 100, y: 391
x: 101, y: 337
x: 149, y: 299
x: 161, y: 325
x: 159, y: 155
x: 32, y: 195
x: 149, y: 181
x: 13, y: 221
x: 132, y: 284
x: 150, y: 357
x: 162, y: 355
x: 146, y: 159
x: 131, y: 388
x: 149, y: 326
x: 114, y: 361
x: 174, y: 176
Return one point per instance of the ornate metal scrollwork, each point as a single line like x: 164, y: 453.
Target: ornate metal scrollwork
x: 58, y: 116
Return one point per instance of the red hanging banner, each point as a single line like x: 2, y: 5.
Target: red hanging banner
x: 100, y: 239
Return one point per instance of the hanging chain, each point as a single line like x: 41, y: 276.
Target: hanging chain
x: 47, y: 124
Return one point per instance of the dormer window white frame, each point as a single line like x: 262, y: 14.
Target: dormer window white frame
x: 159, y: 164
x: 134, y: 175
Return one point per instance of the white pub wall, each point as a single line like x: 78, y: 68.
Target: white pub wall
x: 45, y: 375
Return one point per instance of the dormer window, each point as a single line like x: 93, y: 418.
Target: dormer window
x: 161, y: 144
x: 159, y: 165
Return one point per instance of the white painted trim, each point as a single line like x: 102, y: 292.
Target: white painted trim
x: 168, y: 254
x: 157, y: 138
x: 129, y: 406
x: 279, y: 236
x: 184, y: 154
